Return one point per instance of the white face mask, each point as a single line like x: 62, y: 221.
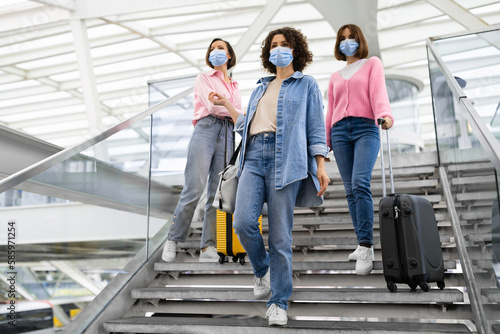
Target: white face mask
x: 217, y: 57
x: 281, y: 56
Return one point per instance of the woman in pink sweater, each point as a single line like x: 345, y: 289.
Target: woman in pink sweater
x: 357, y: 97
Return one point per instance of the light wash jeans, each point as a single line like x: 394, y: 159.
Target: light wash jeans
x: 256, y: 186
x: 205, y: 159
x: 355, y: 144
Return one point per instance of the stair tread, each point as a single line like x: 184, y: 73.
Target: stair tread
x: 309, y: 309
x: 492, y: 294
x: 296, y: 266
x: 473, y: 180
x: 251, y: 325
x: 400, y: 185
x: 317, y: 239
x: 404, y: 295
x: 338, y: 202
x: 400, y: 172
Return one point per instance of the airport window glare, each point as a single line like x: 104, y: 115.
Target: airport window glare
x: 48, y: 91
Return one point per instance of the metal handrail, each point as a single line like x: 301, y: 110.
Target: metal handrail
x: 41, y: 166
x: 468, y: 32
x: 476, y: 305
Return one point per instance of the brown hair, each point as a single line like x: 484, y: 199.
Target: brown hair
x: 358, y: 36
x: 301, y: 54
x: 230, y: 62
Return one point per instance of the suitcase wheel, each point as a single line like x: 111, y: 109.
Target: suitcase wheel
x: 242, y: 260
x: 392, y: 286
x: 440, y: 285
x: 424, y: 286
x: 413, y: 286
x: 235, y: 259
x: 222, y: 259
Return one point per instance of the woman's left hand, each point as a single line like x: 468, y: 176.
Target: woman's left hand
x: 388, y: 123
x: 323, y: 179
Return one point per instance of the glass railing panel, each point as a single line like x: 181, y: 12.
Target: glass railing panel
x: 92, y: 216
x: 79, y: 223
x: 172, y: 129
x: 127, y: 150
x: 403, y: 96
x: 474, y: 188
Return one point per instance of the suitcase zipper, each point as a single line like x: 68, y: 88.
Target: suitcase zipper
x: 399, y: 243
x: 396, y: 211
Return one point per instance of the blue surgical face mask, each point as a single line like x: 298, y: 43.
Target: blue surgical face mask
x: 281, y: 56
x: 218, y: 57
x: 349, y: 47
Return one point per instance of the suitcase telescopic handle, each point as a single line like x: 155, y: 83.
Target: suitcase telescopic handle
x: 384, y: 191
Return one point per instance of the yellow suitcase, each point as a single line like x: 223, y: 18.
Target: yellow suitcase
x: 228, y: 243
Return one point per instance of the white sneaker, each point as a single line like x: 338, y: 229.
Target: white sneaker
x: 276, y: 315
x: 364, y: 263
x: 262, y: 285
x: 209, y: 254
x: 354, y: 255
x: 169, y: 251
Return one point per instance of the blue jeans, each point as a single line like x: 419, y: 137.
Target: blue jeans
x: 205, y: 160
x: 355, y: 143
x: 256, y: 186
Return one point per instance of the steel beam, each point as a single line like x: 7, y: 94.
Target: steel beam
x: 87, y: 77
x: 459, y: 14
x: 258, y: 26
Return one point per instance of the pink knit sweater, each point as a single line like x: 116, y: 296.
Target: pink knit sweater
x: 362, y: 95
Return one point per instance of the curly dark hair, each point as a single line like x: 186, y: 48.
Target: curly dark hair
x: 298, y: 42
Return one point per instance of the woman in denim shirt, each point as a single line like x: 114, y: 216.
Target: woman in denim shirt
x: 281, y: 162
x: 206, y: 151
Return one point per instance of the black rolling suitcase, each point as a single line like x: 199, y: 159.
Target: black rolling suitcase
x: 409, y: 237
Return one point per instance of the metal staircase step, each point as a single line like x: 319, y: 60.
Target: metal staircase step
x: 415, y: 186
x: 332, y: 219
x: 240, y: 325
x: 404, y: 295
x: 477, y: 196
x: 342, y: 203
x: 473, y: 168
x: 317, y: 239
x: 473, y: 180
x: 296, y: 266
x: 399, y: 161
x: 309, y: 309
x: 398, y: 173
x: 492, y: 294
x: 303, y: 279
x: 476, y: 215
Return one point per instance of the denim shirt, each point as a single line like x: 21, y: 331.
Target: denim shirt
x: 300, y: 134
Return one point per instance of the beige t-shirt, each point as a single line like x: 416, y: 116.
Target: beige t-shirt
x: 264, y: 119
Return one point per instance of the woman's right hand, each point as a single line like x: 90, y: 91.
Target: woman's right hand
x: 220, y: 100
x: 217, y: 99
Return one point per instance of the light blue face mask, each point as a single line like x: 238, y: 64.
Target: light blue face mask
x: 281, y: 56
x: 217, y: 57
x: 349, y: 47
